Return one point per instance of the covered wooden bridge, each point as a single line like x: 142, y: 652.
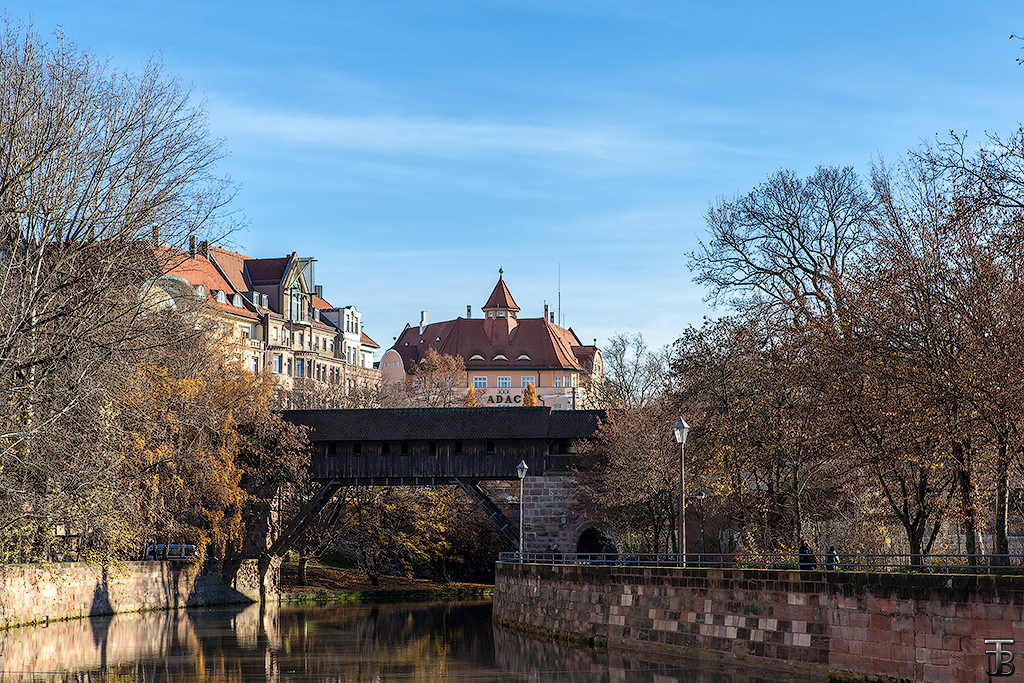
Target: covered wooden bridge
x: 435, y: 446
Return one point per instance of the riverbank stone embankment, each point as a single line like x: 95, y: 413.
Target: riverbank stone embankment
x: 848, y: 626
x: 32, y: 594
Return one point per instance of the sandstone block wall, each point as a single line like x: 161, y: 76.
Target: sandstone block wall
x: 30, y: 594
x: 545, y: 500
x: 917, y: 627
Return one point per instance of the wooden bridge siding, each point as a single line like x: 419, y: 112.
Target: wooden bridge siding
x: 474, y: 462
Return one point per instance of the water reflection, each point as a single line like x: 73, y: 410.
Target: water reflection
x: 347, y: 644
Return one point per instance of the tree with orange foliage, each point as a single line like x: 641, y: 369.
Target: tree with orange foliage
x: 530, y: 396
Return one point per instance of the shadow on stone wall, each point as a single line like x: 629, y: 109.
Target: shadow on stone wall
x: 39, y: 594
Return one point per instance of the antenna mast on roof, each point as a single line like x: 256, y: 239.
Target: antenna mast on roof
x: 560, y: 294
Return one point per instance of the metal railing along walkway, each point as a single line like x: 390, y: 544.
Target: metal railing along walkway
x: 855, y: 562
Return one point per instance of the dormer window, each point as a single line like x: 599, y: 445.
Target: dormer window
x: 500, y: 356
x: 222, y: 298
x: 524, y: 357
x: 501, y: 314
x: 476, y: 356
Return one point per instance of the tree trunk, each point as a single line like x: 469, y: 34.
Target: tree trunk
x: 962, y: 458
x: 1001, y: 547
x: 303, y: 563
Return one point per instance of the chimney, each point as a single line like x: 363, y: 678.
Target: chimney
x: 320, y: 291
x: 545, y: 311
x: 204, y: 249
x: 423, y: 320
x: 469, y: 311
x: 192, y: 246
x: 552, y: 317
x: 156, y: 235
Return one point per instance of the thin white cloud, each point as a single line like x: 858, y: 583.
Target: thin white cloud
x: 399, y: 135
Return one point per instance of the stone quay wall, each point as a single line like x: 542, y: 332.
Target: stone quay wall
x: 917, y: 627
x: 38, y: 594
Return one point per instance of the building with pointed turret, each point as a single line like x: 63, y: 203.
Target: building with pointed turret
x: 503, y: 353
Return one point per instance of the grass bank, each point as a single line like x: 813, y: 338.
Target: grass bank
x: 332, y: 585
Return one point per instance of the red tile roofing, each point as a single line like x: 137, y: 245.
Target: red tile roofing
x: 199, y: 271
x: 501, y: 298
x: 365, y: 339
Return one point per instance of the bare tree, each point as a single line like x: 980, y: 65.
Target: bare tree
x: 788, y: 243
x: 95, y: 166
x: 633, y: 375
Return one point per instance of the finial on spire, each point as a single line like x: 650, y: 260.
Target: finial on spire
x: 500, y: 272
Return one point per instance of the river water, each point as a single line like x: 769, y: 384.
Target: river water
x: 387, y: 643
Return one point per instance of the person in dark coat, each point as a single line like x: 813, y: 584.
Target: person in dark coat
x: 806, y: 556
x: 832, y: 559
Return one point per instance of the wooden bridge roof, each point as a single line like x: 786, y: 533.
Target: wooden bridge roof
x: 418, y: 424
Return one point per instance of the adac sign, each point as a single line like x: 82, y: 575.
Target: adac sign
x: 506, y: 397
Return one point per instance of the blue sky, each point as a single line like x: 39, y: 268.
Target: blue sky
x: 414, y: 148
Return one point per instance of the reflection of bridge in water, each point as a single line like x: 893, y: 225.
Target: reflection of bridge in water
x: 435, y: 446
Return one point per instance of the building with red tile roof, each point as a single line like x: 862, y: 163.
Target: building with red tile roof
x: 503, y: 353
x: 273, y: 313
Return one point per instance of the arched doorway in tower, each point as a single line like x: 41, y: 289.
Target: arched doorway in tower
x: 591, y: 542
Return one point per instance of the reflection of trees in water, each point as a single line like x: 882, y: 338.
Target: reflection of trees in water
x: 546, y: 660
x: 428, y: 641
x: 354, y: 643
x: 425, y: 642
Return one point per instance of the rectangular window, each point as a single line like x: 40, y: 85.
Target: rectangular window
x: 403, y: 448
x: 458, y: 448
x: 277, y: 363
x: 433, y: 448
x: 301, y: 337
x: 558, y: 381
x: 385, y: 448
x: 479, y: 382
x: 255, y: 365
x: 574, y: 380
x: 558, y: 406
x: 332, y: 449
x: 357, y: 448
x: 275, y: 334
x: 309, y: 369
x: 528, y: 379
x: 490, y: 448
x: 289, y: 367
x: 299, y: 367
x: 504, y: 382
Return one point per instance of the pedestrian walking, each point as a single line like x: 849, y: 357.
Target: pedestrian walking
x: 831, y: 559
x: 806, y: 556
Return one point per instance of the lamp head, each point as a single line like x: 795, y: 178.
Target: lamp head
x: 521, y: 469
x: 681, y: 429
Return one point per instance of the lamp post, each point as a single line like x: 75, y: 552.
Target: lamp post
x: 521, y: 471
x: 681, y: 429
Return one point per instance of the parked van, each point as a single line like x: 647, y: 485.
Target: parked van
x: 177, y: 552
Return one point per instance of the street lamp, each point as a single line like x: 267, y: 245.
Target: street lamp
x: 521, y: 471
x: 681, y: 429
